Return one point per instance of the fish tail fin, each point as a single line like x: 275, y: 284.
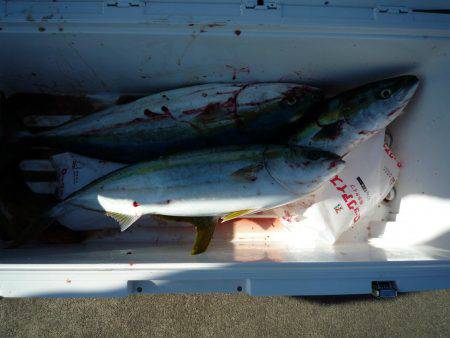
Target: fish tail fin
x: 36, y: 228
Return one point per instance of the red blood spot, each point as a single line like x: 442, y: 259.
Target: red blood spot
x: 155, y: 116
x: 399, y: 165
x: 333, y: 164
x: 392, y: 112
x: 229, y: 106
x: 135, y: 204
x: 234, y: 71
x: 287, y: 216
x: 209, y: 108
x: 237, y: 32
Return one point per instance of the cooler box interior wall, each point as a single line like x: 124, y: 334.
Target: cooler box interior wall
x: 101, y: 48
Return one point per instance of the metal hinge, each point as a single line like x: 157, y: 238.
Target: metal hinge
x: 124, y: 3
x: 384, y: 289
x: 260, y: 4
x: 392, y: 10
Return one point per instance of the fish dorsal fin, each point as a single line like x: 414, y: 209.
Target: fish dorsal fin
x: 237, y: 214
x: 125, y: 221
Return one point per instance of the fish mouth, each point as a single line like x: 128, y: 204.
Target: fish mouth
x: 410, y: 83
x: 409, y: 80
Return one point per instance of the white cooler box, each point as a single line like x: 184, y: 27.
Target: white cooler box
x: 134, y: 47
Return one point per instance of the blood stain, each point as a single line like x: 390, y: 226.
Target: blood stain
x: 332, y: 164
x: 392, y: 112
x: 154, y: 116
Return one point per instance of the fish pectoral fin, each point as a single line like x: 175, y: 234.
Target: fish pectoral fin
x: 204, y: 228
x: 237, y: 214
x: 124, y: 220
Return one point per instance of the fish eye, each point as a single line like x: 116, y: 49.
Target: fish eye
x: 385, y: 94
x: 291, y: 101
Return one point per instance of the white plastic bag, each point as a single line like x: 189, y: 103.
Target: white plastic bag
x: 74, y: 171
x: 346, y: 199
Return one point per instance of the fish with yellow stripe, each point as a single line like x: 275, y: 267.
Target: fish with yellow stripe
x: 184, y: 119
x: 352, y: 117
x: 202, y: 187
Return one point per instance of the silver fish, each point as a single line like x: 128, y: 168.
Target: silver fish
x: 185, y: 119
x: 202, y: 186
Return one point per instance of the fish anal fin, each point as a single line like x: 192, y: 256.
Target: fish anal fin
x: 237, y: 214
x: 204, y: 228
x: 124, y: 220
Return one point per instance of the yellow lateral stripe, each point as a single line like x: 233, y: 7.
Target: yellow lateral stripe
x: 237, y: 214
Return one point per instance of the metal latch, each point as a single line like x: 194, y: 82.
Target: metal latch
x: 384, y: 289
x: 260, y: 4
x: 124, y: 3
